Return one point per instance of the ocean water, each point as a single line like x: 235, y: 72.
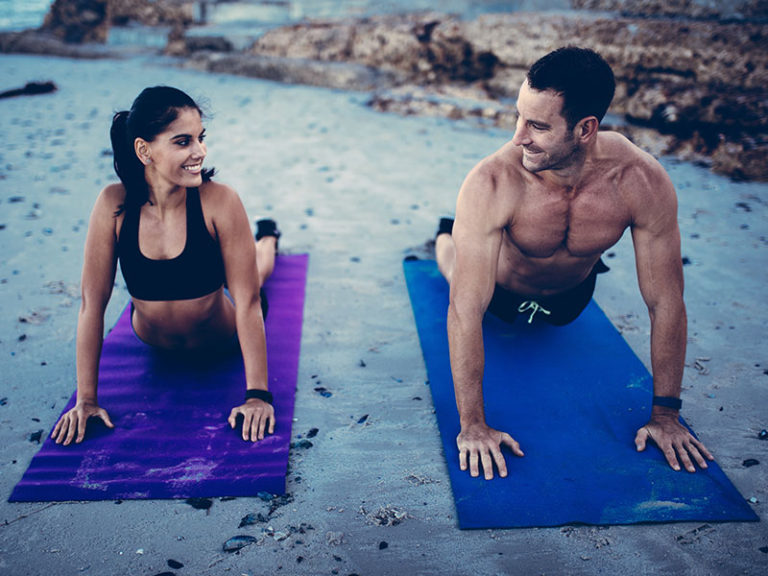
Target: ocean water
x: 265, y: 14
x: 22, y: 14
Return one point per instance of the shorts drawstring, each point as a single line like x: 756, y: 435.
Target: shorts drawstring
x: 534, y: 307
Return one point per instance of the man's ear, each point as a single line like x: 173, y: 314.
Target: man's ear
x: 143, y: 152
x: 587, y: 129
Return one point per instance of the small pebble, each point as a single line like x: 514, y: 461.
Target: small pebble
x: 312, y: 432
x: 303, y: 443
x: 750, y: 462
x: 362, y: 419
x: 237, y: 542
x: 200, y: 503
x: 763, y: 435
x: 175, y: 564
x: 383, y: 545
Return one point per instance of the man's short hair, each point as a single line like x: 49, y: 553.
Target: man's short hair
x: 581, y: 76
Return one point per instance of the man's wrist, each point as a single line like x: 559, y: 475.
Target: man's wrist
x: 671, y: 402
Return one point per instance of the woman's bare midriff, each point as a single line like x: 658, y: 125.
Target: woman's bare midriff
x: 185, y: 324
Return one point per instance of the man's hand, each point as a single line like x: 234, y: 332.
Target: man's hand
x: 674, y: 440
x: 257, y: 415
x: 480, y: 442
x: 74, y: 421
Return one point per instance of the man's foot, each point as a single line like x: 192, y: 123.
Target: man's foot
x: 445, y: 226
x: 445, y: 251
x: 267, y: 227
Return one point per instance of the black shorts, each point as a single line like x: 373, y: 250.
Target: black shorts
x: 558, y: 309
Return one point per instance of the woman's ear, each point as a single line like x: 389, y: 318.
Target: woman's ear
x: 143, y: 152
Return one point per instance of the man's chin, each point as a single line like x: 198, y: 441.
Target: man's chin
x: 532, y: 164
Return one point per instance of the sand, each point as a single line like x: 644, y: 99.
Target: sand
x: 358, y: 190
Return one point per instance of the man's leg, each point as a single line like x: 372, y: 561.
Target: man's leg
x: 445, y: 250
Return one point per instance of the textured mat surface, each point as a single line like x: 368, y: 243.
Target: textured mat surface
x: 171, y: 437
x: 573, y: 397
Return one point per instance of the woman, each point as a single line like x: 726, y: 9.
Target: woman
x: 180, y: 239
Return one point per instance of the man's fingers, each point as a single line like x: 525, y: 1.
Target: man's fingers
x: 473, y: 463
x: 512, y: 444
x: 702, y: 450
x: 671, y: 456
x: 682, y: 452
x: 272, y: 423
x: 463, y: 458
x: 641, y: 438
x: 501, y: 464
x: 485, y: 459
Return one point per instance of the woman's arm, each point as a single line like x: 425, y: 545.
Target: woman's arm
x: 238, y: 250
x: 98, y: 277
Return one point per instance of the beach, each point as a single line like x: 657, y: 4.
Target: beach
x: 358, y: 190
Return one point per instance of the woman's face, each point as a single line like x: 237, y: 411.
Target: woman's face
x: 176, y: 154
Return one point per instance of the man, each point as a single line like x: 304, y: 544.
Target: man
x: 532, y: 221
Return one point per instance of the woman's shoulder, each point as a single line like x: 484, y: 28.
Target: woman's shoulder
x: 218, y: 194
x: 111, y: 198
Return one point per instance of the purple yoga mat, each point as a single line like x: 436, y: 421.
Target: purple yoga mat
x: 171, y: 437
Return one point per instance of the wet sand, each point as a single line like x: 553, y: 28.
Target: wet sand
x: 358, y: 190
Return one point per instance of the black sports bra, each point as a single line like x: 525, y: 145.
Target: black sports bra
x: 196, y: 272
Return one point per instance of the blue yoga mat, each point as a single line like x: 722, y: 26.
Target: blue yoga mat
x: 573, y: 396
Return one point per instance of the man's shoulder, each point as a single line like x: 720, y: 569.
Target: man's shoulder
x: 504, y: 165
x: 618, y: 155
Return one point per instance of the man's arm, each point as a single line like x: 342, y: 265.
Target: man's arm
x: 477, y: 239
x: 656, y: 238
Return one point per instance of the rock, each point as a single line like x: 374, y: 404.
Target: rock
x: 237, y: 542
x: 711, y: 9
x: 78, y: 21
x: 30, y: 89
x: 153, y: 12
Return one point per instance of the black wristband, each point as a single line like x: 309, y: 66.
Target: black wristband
x: 668, y: 402
x: 264, y: 395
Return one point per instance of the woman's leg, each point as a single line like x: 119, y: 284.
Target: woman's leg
x: 266, y: 251
x: 267, y: 236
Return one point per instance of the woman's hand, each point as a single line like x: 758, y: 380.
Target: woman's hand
x: 257, y: 416
x: 72, y: 423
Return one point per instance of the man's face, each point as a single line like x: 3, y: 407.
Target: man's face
x: 542, y: 131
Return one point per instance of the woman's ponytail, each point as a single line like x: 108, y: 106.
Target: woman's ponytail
x: 127, y: 165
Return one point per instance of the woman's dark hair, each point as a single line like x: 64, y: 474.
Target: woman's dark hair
x: 581, y: 76
x: 151, y: 113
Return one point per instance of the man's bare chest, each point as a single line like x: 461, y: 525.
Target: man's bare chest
x: 582, y: 226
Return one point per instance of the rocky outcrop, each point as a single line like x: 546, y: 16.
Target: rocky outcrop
x: 153, y: 12
x: 88, y: 21
x: 692, y: 75
x: 426, y: 48
x: 78, y: 21
x: 700, y: 9
x: 703, y: 83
